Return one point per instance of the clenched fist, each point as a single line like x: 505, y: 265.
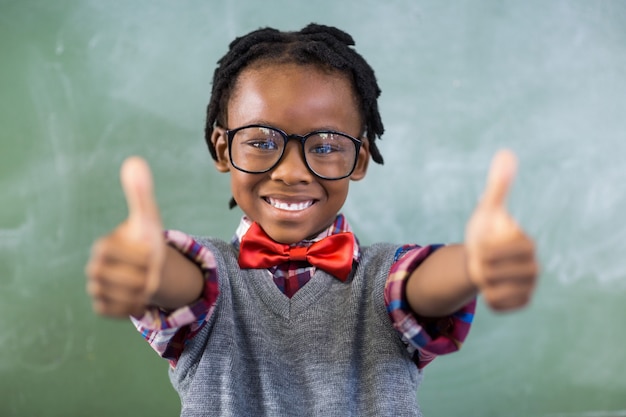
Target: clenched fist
x: 125, y: 267
x: 501, y: 260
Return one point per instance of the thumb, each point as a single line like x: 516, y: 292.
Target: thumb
x: 501, y: 175
x: 137, y: 184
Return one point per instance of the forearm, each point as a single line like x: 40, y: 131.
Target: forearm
x: 440, y: 285
x: 181, y: 281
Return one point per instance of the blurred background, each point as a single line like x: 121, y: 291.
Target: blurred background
x: 86, y: 83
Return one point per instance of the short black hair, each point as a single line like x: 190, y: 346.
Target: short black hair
x: 324, y: 46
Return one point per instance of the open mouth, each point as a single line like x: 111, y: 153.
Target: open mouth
x: 290, y: 206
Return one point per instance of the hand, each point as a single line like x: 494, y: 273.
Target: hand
x: 125, y: 267
x: 500, y: 256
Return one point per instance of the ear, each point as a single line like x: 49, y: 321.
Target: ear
x: 220, y: 143
x: 362, y: 161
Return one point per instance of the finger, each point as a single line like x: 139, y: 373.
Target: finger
x: 137, y: 183
x: 501, y: 175
x: 508, y: 297
x: 119, y: 277
x: 113, y: 250
x: 108, y: 292
x: 112, y: 308
x: 504, y: 275
x: 513, y: 275
x: 113, y: 297
x: 521, y: 250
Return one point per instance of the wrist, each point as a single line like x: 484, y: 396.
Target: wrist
x: 470, y: 269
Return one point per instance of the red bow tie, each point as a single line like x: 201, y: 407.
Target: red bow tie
x: 332, y: 254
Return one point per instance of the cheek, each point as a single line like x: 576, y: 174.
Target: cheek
x: 242, y: 185
x: 236, y: 183
x: 337, y: 191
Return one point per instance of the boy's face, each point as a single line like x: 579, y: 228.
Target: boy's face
x: 290, y: 202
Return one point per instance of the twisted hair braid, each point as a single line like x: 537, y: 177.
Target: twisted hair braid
x: 320, y: 45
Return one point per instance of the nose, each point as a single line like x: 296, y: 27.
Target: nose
x: 292, y: 169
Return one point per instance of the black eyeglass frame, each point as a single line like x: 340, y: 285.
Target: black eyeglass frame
x: 230, y: 134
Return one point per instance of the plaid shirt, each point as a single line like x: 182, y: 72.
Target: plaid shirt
x: 167, y: 332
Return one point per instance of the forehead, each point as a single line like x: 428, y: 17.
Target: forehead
x: 294, y: 97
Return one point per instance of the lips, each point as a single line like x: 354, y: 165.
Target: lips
x: 289, y: 205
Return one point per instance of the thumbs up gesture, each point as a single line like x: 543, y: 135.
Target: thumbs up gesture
x: 125, y: 267
x: 501, y: 259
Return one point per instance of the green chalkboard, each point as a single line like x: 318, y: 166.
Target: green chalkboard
x: 85, y: 83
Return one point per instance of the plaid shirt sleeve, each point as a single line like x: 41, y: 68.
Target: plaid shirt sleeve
x: 167, y: 331
x: 425, y: 338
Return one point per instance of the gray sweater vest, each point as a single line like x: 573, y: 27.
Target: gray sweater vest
x: 330, y: 350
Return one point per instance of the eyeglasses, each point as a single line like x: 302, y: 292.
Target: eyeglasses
x: 328, y: 154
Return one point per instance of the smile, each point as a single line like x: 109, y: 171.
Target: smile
x: 284, y: 205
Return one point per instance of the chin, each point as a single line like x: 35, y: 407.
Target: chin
x: 285, y: 237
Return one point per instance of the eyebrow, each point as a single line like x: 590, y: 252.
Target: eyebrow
x: 326, y: 128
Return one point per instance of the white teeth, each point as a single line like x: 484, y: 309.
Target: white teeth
x: 290, y: 206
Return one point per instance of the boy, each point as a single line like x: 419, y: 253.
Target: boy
x: 294, y: 317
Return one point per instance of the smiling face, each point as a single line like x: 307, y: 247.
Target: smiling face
x: 290, y: 202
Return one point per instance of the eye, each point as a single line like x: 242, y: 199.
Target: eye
x: 323, y: 148
x: 259, y: 139
x: 325, y: 143
x: 263, y: 144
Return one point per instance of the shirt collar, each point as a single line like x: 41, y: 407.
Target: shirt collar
x: 340, y: 225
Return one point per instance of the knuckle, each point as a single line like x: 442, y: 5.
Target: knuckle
x: 535, y: 269
x: 99, y: 248
x: 90, y: 288
x: 93, y: 270
x: 100, y: 307
x: 95, y: 290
